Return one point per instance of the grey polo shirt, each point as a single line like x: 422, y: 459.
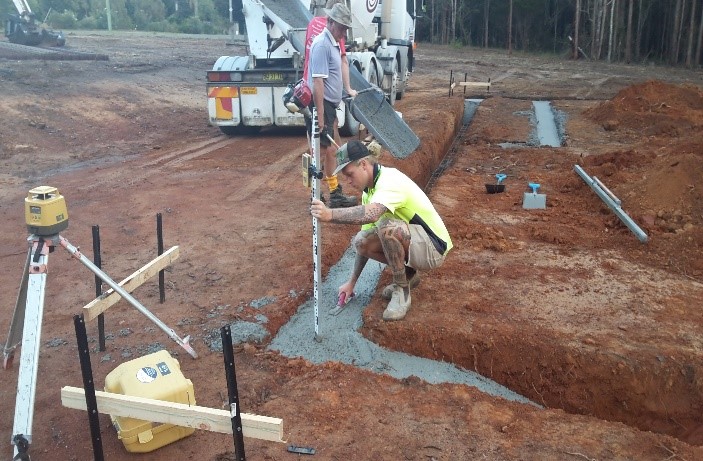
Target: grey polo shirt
x: 326, y: 62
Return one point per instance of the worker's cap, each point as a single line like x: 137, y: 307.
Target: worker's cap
x: 351, y: 151
x: 339, y: 13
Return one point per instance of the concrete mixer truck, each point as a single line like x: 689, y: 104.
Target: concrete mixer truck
x: 245, y: 93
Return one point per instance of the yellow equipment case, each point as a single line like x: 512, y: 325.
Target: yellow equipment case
x: 155, y: 376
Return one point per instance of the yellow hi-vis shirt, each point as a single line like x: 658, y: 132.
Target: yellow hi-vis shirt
x: 406, y: 201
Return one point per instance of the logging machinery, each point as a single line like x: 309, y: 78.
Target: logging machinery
x: 23, y: 28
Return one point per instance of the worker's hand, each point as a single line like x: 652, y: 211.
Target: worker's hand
x: 352, y: 93
x: 320, y: 211
x: 324, y: 133
x: 348, y: 289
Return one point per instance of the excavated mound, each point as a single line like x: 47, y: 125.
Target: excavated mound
x: 653, y: 108
x: 660, y: 178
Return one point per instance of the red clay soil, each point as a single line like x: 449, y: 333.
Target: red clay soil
x: 563, y: 305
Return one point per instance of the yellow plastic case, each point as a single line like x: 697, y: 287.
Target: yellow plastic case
x: 155, y: 376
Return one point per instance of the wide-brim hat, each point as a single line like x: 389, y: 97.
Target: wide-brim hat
x: 340, y: 13
x: 351, y: 151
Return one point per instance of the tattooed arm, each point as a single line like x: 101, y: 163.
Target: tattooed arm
x: 361, y: 214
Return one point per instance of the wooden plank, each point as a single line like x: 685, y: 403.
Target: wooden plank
x: 179, y: 414
x: 131, y: 283
x: 479, y: 84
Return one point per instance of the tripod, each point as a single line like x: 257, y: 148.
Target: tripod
x: 26, y: 323
x: 25, y: 328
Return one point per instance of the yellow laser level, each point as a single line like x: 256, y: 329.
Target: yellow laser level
x: 45, y: 211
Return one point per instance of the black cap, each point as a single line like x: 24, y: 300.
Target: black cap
x: 351, y: 151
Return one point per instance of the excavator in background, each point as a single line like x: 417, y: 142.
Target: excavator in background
x: 245, y: 92
x: 23, y: 28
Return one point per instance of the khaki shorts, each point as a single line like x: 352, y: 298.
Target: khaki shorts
x: 423, y: 255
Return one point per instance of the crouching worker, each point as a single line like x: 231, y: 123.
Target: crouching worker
x: 399, y: 225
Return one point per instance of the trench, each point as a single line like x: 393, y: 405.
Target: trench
x: 547, y: 127
x: 339, y: 338
x: 545, y: 124
x: 342, y: 342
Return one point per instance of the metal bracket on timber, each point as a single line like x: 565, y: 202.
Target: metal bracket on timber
x: 131, y: 283
x: 179, y: 414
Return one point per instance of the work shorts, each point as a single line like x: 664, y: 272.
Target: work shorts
x: 422, y: 254
x: 330, y: 120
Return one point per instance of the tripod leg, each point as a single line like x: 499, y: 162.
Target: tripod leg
x: 15, y: 335
x: 31, y: 339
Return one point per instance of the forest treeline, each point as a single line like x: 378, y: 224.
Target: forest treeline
x: 666, y: 31
x: 662, y: 31
x: 184, y: 16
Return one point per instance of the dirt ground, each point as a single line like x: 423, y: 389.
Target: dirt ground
x: 564, y: 305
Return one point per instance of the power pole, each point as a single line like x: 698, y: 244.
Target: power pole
x: 109, y: 15
x: 510, y: 29
x: 577, y: 26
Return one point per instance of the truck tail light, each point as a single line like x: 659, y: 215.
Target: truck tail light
x: 215, y: 76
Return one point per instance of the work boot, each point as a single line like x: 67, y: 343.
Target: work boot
x: 398, y: 306
x: 339, y: 200
x: 413, y: 281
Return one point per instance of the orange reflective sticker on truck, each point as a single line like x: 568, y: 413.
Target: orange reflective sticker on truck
x: 223, y: 108
x: 223, y: 92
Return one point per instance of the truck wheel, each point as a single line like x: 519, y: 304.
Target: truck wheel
x: 239, y: 130
x: 372, y: 76
x: 403, y: 78
x: 393, y: 84
x: 351, y: 125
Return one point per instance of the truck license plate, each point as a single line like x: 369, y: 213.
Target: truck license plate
x: 273, y: 76
x: 248, y: 90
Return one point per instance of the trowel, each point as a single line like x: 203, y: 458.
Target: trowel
x: 533, y: 200
x: 497, y: 187
x: 342, y: 301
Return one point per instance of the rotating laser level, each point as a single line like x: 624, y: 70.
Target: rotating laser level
x: 45, y: 211
x: 46, y: 216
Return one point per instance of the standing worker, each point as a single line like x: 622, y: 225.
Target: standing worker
x: 399, y: 225
x: 315, y: 27
x: 327, y: 76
